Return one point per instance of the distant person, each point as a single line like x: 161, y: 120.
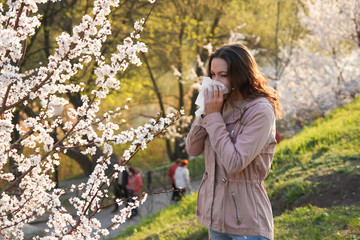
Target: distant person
x: 278, y: 136
x: 134, y: 186
x: 171, y: 173
x: 236, y: 134
x: 182, y: 179
x: 120, y: 183
x: 299, y: 125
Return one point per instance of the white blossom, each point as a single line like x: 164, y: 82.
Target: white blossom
x: 323, y: 69
x: 82, y: 127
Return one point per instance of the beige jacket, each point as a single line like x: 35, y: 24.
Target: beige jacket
x: 238, y: 148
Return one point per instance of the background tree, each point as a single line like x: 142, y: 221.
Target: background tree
x: 33, y: 149
x: 323, y: 70
x: 59, y: 17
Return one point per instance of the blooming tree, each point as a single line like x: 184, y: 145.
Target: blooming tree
x: 83, y: 128
x: 323, y: 71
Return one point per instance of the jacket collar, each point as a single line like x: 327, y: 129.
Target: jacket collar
x: 233, y: 113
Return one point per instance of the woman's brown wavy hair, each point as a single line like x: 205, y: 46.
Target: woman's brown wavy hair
x: 245, y: 76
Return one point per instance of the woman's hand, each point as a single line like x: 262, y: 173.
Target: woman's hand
x: 214, y: 98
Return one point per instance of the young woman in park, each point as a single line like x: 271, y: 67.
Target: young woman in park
x: 236, y: 134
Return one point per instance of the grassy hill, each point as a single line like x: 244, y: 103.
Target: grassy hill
x: 320, y: 165
x: 175, y: 222
x: 314, y: 187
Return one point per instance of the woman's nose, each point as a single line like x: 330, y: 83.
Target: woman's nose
x: 215, y: 78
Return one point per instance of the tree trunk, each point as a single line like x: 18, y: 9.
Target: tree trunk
x: 84, y: 161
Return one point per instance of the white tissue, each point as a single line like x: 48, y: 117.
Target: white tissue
x: 200, y: 100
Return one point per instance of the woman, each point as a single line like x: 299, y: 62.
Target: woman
x: 237, y: 136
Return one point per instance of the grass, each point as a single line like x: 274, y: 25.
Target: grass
x: 301, y: 169
x: 319, y: 223
x: 175, y: 222
x: 310, y: 222
x: 329, y: 145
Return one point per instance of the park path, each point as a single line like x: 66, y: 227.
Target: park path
x: 151, y: 206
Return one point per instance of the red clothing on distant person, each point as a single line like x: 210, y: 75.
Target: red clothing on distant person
x: 277, y: 136
x: 171, y: 172
x: 135, y: 183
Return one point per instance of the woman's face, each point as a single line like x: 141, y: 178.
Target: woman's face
x: 218, y: 71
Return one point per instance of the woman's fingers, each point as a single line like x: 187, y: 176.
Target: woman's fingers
x: 209, y: 93
x: 221, y: 94
x: 214, y: 92
x: 213, y: 99
x: 218, y: 93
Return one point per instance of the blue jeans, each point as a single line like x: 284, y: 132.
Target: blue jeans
x: 226, y: 236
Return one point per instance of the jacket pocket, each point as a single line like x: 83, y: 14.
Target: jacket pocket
x: 243, y: 210
x: 236, y: 209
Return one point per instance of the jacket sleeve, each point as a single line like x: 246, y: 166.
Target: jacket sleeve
x: 196, y: 137
x: 249, y: 143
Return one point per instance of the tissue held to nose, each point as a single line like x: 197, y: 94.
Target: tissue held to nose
x: 207, y: 82
x: 222, y: 86
x: 200, y: 100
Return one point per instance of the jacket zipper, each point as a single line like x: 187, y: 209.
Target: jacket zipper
x: 236, y: 210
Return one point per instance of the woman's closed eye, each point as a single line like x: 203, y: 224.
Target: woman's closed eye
x: 221, y: 75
